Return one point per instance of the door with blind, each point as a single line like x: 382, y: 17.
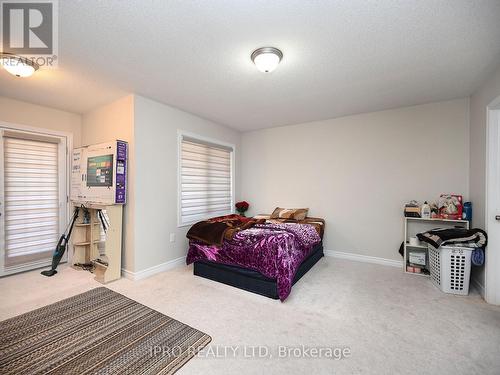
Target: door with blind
x: 33, y: 183
x: 206, y: 187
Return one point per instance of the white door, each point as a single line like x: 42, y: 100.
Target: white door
x: 33, y: 195
x: 493, y: 209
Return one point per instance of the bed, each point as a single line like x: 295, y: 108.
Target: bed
x: 267, y: 258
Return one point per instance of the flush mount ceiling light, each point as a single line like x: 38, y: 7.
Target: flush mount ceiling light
x: 266, y: 59
x: 17, y: 65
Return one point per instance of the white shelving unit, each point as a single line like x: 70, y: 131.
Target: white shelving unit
x: 87, y: 241
x: 414, y: 225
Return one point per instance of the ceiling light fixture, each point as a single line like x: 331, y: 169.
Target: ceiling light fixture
x: 17, y: 65
x: 266, y: 59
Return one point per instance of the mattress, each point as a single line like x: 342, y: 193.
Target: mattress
x: 251, y: 280
x: 275, y: 250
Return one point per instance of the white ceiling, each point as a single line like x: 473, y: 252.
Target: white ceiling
x: 340, y: 57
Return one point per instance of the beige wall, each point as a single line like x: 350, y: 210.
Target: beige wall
x: 23, y: 113
x: 355, y: 171
x: 358, y: 171
x: 106, y: 123
x: 156, y: 128
x: 111, y: 121
x: 479, y: 102
x: 151, y: 211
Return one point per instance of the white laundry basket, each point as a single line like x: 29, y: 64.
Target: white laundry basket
x: 450, y: 268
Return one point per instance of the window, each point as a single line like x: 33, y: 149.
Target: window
x: 205, y: 179
x: 32, y: 197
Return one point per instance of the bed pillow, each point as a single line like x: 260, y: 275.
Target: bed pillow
x: 290, y: 213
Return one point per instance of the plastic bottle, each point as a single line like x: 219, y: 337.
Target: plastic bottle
x: 425, y: 211
x: 467, y: 213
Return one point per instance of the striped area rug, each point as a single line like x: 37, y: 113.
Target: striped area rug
x: 96, y: 332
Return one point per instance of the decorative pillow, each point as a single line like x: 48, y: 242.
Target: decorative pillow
x: 290, y: 213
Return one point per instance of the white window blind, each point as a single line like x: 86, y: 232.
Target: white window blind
x: 205, y: 180
x: 31, y: 199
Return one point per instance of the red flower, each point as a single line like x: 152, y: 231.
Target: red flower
x: 242, y: 206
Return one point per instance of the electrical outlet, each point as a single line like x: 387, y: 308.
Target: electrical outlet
x: 172, y: 237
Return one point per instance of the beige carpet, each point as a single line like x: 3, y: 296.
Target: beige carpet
x: 96, y: 332
x: 392, y: 323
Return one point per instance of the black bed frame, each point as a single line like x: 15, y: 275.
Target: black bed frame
x: 250, y: 280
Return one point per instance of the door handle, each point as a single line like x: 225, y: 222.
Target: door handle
x: 497, y: 217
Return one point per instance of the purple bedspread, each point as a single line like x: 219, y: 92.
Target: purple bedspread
x: 274, y: 250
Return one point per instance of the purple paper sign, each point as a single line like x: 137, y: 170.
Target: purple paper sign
x: 121, y: 171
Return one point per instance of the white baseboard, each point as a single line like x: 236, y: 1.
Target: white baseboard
x: 477, y: 285
x: 364, y: 258
x: 182, y: 260
x: 139, y: 275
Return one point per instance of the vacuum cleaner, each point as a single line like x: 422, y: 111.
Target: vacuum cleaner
x: 62, y: 244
